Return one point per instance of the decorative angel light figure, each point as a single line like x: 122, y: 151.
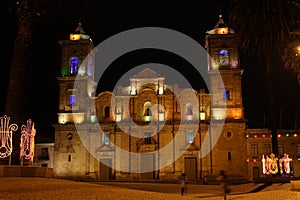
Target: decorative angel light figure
x: 27, y: 142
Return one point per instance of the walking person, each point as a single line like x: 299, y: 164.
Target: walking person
x: 222, y: 179
x: 183, y: 180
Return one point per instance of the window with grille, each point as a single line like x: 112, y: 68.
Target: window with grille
x: 226, y: 95
x: 74, y: 63
x: 267, y: 149
x: 105, y: 139
x: 147, y: 138
x: 254, y: 150
x: 190, y: 137
x: 72, y: 100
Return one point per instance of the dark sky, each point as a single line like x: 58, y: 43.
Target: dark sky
x: 102, y: 21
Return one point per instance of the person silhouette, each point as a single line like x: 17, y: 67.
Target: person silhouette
x: 183, y: 180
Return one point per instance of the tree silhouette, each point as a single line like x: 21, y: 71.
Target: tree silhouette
x: 263, y: 28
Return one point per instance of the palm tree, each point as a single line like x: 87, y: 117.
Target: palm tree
x: 291, y: 55
x: 27, y: 14
x: 263, y: 26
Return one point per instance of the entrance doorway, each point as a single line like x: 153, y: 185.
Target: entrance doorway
x: 148, y: 165
x: 255, y: 172
x: 190, y: 166
x: 105, y: 169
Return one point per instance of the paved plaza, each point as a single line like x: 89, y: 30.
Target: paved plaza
x: 50, y: 188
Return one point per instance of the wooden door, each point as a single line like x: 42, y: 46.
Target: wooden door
x: 148, y: 165
x: 255, y: 172
x: 105, y: 169
x: 190, y: 166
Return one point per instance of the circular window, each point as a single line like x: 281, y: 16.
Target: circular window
x: 228, y: 134
x: 69, y: 136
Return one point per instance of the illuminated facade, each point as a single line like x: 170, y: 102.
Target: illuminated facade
x: 232, y: 151
x: 147, y: 88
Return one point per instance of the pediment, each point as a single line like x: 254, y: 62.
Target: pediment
x: 148, y: 74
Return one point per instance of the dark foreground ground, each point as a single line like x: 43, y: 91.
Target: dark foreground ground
x: 50, y: 188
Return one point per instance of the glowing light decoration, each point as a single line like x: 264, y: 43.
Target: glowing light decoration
x: 287, y: 135
x: 74, y: 36
x: 133, y: 91
x: 238, y: 114
x: 218, y: 113
x: 27, y: 141
x: 160, y: 90
x: 118, y: 117
x: 263, y: 136
x: 202, y: 115
x: 6, y: 132
x: 93, y: 118
x: 255, y: 136
x: 161, y: 116
x: 279, y: 135
x: 147, y: 118
x: 295, y: 135
x: 247, y: 136
x: 222, y: 30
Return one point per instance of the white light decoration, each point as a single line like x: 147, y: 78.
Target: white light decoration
x: 6, y: 132
x: 219, y: 114
x: 160, y: 90
x: 64, y: 118
x: 133, y: 91
x: 189, y: 117
x: 202, y: 115
x: 93, y: 118
x: 78, y: 118
x: 147, y: 118
x: 161, y: 116
x: 118, y: 117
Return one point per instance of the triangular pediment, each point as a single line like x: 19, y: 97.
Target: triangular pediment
x: 147, y: 74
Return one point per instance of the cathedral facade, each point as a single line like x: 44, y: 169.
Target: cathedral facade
x: 150, y: 130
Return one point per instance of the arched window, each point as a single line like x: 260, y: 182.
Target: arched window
x: 147, y: 111
x: 224, y: 57
x: 189, y: 112
x: 74, y: 62
x: 107, y: 111
x: 90, y: 68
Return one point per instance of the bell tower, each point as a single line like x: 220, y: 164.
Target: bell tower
x: 76, y: 87
x: 77, y: 63
x: 227, y: 112
x: 222, y: 47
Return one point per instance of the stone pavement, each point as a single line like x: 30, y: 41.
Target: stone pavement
x: 196, y: 191
x: 51, y: 188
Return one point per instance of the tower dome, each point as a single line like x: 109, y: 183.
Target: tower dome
x: 221, y: 27
x: 79, y: 34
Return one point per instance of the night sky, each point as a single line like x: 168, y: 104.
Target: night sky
x: 103, y: 21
